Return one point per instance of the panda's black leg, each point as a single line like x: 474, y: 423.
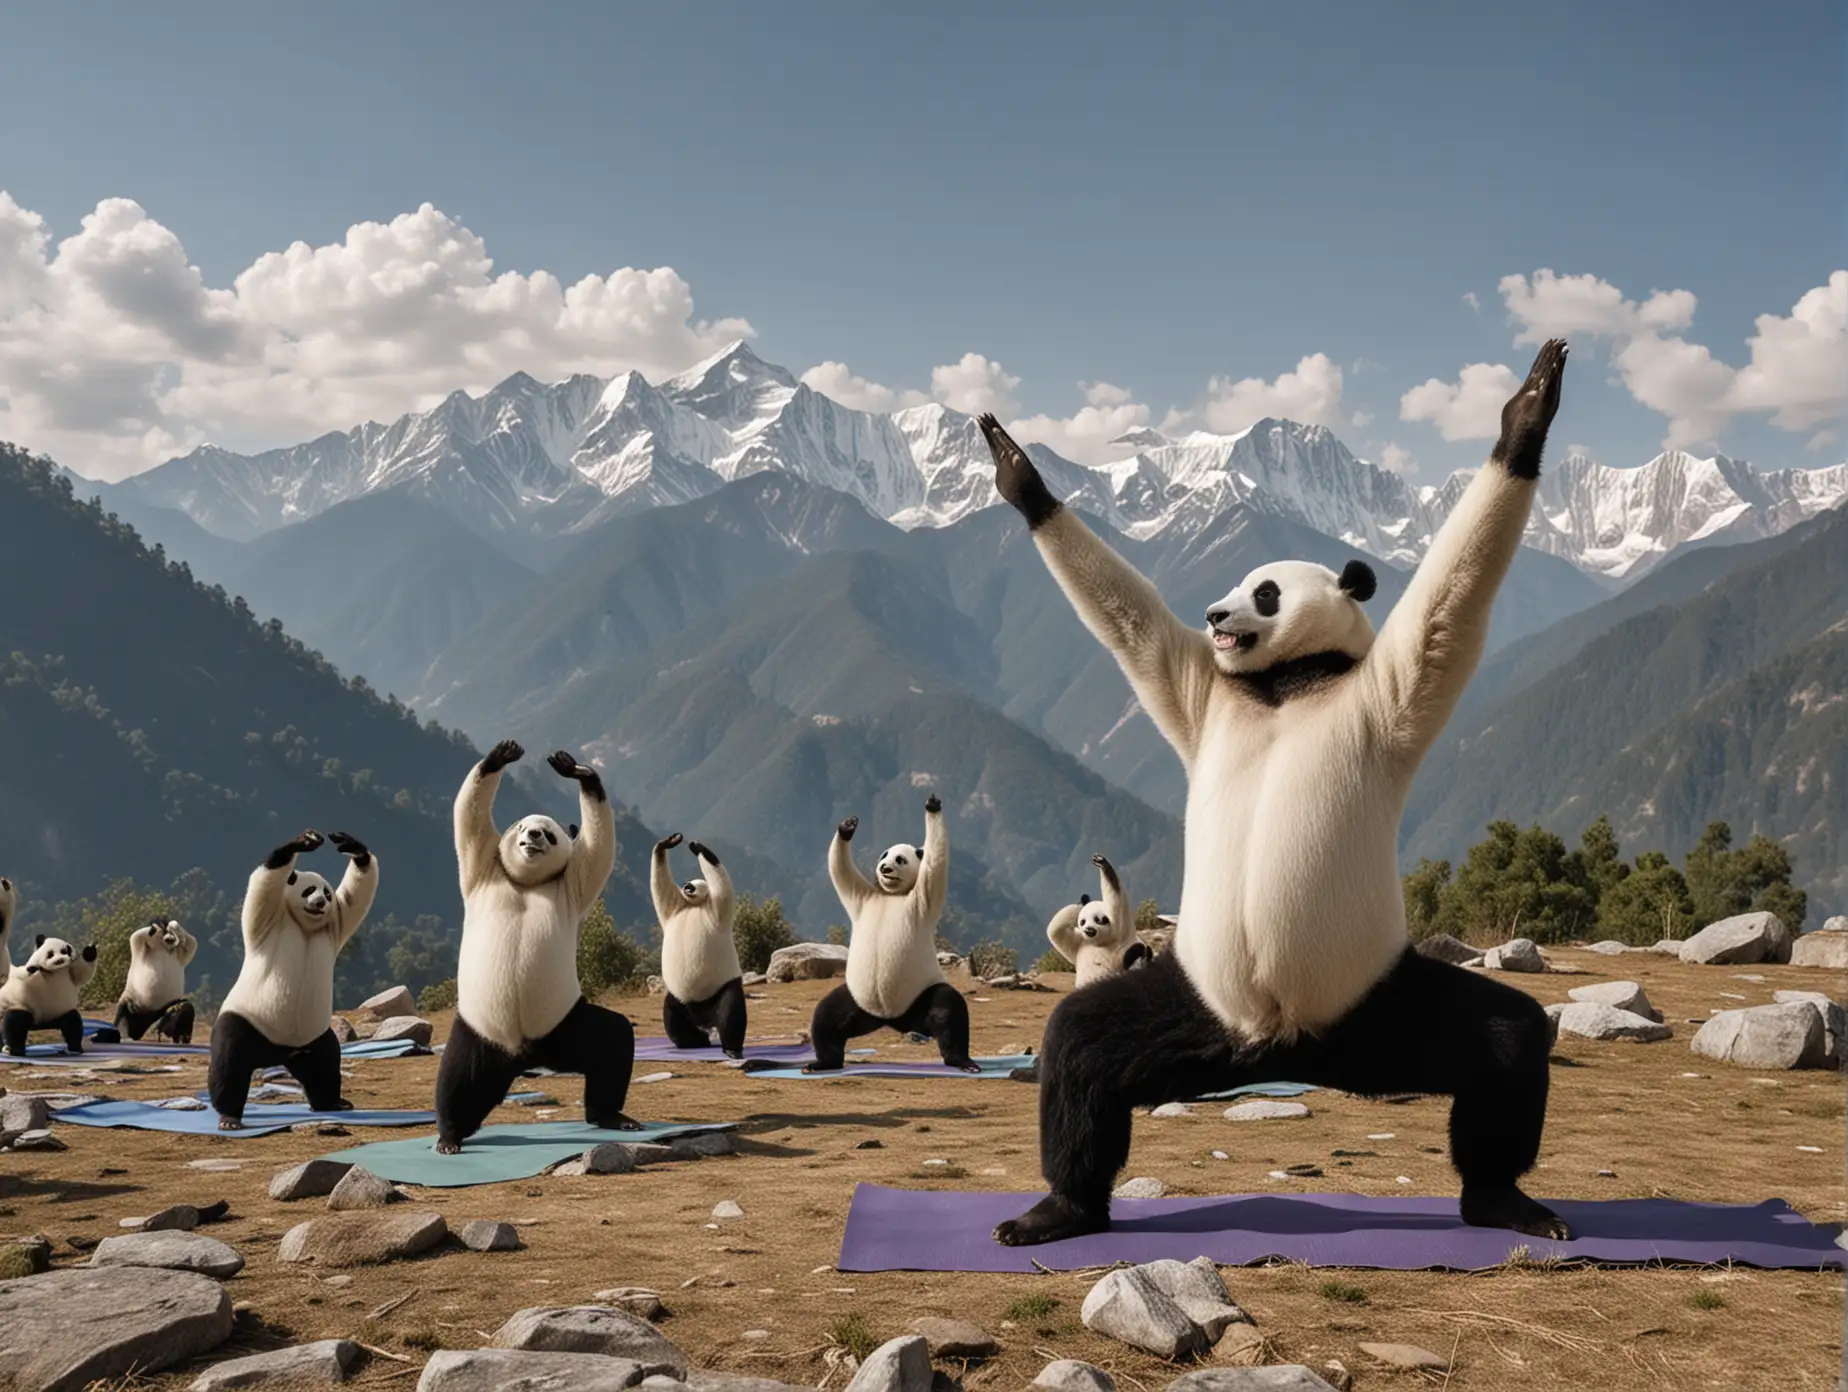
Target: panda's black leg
x: 837, y: 1019
x: 239, y: 1048
x: 471, y: 1081
x: 600, y: 1044
x: 729, y: 1007
x: 125, y: 1021
x: 316, y: 1066
x: 682, y: 1029
x: 70, y: 1025
x: 1435, y: 1028
x: 1130, y: 1040
x: 15, y: 1025
x: 177, y: 1022
x: 943, y: 1014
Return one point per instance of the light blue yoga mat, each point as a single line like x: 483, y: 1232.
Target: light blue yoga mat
x: 53, y: 1055
x: 994, y: 1067
x: 1256, y: 1090
x: 260, y: 1119
x: 498, y: 1153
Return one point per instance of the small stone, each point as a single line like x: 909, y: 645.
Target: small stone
x: 1408, y: 1356
x: 1826, y: 948
x: 360, y: 1188
x: 755, y: 1335
x: 1382, y: 1136
x: 386, y: 1004
x: 181, y: 1104
x: 1518, y: 955
x: 533, y: 1099
x: 654, y: 1077
x: 1304, y: 1171
x: 1444, y: 948
x: 898, y: 1365
x: 1172, y: 1109
x: 702, y: 1145
x: 486, y: 1235
x: 1590, y: 1020
x: 1742, y: 939
x: 313, y: 1179
x: 363, y: 1239
x: 1127, y: 1305
x: 752, y: 979
x: 592, y: 1329
x: 1788, y: 1035
x: 304, y: 1365
x: 412, y: 1027
x: 37, y: 1140
x: 955, y: 1338
x: 1605, y: 1174
x: 637, y: 1300
x: 82, y: 1325
x: 1278, y: 1377
x: 1610, y: 947
x: 1266, y: 1109
x: 174, y: 1218
x: 1069, y: 1375
x: 215, y: 1166
x: 1219, y: 1155
x: 22, y: 1112
x: 1142, y: 1187
x: 727, y: 1208
x: 498, y: 1370
x: 870, y: 1145
x: 1243, y: 1346
x: 1619, y: 995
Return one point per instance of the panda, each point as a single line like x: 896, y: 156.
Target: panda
x: 518, y: 1002
x: 155, y: 992
x: 1098, y: 936
x: 892, y: 974
x: 1301, y: 734
x: 699, y: 957
x: 280, y: 1008
x: 41, y: 994
x: 9, y: 910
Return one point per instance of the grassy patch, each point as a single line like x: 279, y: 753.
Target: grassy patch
x: 1704, y: 1299
x: 1342, y: 1292
x: 851, y: 1333
x: 1030, y: 1309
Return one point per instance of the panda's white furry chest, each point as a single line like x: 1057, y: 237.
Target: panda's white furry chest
x: 517, y: 977
x: 154, y: 979
x: 1098, y: 960
x: 891, y: 954
x: 1291, y: 906
x: 47, y: 995
x: 698, y: 954
x: 286, y: 985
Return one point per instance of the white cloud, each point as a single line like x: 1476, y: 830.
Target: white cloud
x: 973, y: 384
x: 1310, y: 394
x: 1395, y: 459
x: 1469, y: 298
x: 1799, y: 366
x: 115, y: 353
x: 1085, y: 437
x: 1466, y: 409
x: 837, y: 382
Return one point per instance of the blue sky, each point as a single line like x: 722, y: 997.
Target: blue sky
x: 1148, y: 198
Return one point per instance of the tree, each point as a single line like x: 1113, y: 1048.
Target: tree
x: 760, y: 929
x: 1148, y: 917
x: 1650, y: 903
x: 1600, y: 864
x: 1424, y: 896
x: 607, y: 958
x: 837, y: 934
x: 1517, y: 883
x: 1724, y: 881
x: 991, y: 959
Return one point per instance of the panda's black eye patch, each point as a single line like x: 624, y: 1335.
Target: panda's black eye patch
x: 551, y: 839
x: 1103, y: 921
x: 1265, y: 598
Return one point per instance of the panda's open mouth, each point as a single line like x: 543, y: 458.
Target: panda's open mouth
x: 1229, y: 642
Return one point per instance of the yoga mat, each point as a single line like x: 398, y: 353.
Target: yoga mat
x: 497, y: 1153
x: 259, y: 1119
x: 1256, y: 1090
x: 949, y: 1230
x: 53, y: 1055
x: 991, y: 1068
x: 663, y: 1050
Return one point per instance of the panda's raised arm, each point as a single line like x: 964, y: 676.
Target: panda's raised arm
x: 853, y: 887
x: 477, y: 839
x: 83, y: 966
x: 661, y: 884
x: 1435, y: 635
x: 718, y: 882
x: 263, y: 907
x: 593, y: 855
x: 1116, y: 902
x: 934, y: 875
x: 358, y: 887
x: 141, y: 941
x: 1062, y: 933
x: 189, y: 946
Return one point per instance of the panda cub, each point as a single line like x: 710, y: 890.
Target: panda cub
x: 1098, y: 936
x: 155, y: 992
x: 281, y: 1007
x: 699, y: 957
x: 1301, y: 733
x: 41, y: 994
x: 518, y: 1002
x: 893, y: 979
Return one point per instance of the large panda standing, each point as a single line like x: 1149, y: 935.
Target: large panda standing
x: 518, y: 1003
x: 1301, y: 734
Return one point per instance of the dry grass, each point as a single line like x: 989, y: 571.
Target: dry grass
x: 1726, y: 1136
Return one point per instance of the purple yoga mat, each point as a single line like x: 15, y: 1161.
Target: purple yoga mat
x: 663, y: 1050
x: 947, y: 1230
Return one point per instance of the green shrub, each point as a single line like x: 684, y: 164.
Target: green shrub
x: 759, y: 930
x: 607, y: 958
x: 439, y: 995
x: 991, y: 959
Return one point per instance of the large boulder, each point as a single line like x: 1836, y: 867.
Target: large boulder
x: 67, y: 1329
x: 365, y: 1238
x: 312, y: 1179
x: 1128, y: 1305
x: 497, y: 1370
x: 1747, y: 937
x: 1610, y: 947
x: 898, y: 1365
x: 1594, y: 1020
x: 1069, y: 1375
x: 1619, y: 995
x: 1834, y: 1020
x: 1279, y: 1377
x: 397, y: 1001
x: 318, y: 1364
x: 807, y: 961
x: 1785, y: 1035
x: 1517, y: 955
x: 592, y: 1329
x: 174, y: 1251
x: 412, y: 1027
x: 1828, y: 948
x: 1835, y: 923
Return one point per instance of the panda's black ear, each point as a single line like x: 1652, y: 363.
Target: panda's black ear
x: 291, y: 877
x: 572, y: 831
x: 1358, y: 580
x: 39, y: 941
x: 1083, y: 899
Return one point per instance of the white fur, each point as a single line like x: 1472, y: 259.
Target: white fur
x: 517, y: 978
x: 1094, y: 936
x: 9, y: 910
x: 892, y: 950
x: 292, y: 934
x: 698, y: 952
x: 53, y: 989
x: 1291, y: 905
x: 157, y: 959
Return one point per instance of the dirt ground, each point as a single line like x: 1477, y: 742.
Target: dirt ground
x: 1727, y: 1135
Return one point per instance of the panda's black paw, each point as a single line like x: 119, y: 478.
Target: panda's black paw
x: 1053, y: 1219
x: 933, y: 804
x: 449, y: 1147
x: 226, y: 1123
x: 506, y: 752
x: 1507, y: 1207
x: 847, y: 828
x: 89, y: 952
x: 621, y: 1121
x: 822, y: 1068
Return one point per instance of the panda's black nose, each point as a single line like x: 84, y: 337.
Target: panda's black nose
x: 1218, y: 614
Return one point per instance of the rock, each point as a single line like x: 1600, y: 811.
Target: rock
x: 1069, y: 1375
x: 1834, y: 1020
x: 637, y: 1300
x: 1743, y: 938
x: 360, y: 1188
x: 701, y: 1380
x: 343, y: 1029
x: 1444, y: 948
x: 1196, y: 1287
x: 1518, y: 955
x: 1610, y: 947
x: 752, y: 979
x: 807, y: 962
x: 1789, y: 1035
x: 70, y: 1328
x: 363, y: 1239
x: 1828, y: 948
x: 1265, y: 1109
x: 654, y: 1077
x: 1129, y: 1306
x: 727, y: 1208
x: 1172, y: 1109
x: 702, y: 1144
x: 173, y: 1251
x: 898, y: 1365
x: 37, y: 1140
x: 1619, y: 995
x: 412, y: 1027
x: 397, y: 1001
x: 1835, y: 923
x: 1408, y: 1356
x: 954, y: 1338
x: 1279, y: 1377
x: 1591, y: 1020
x: 657, y: 986
x: 612, y: 1157
x: 948, y: 960
x: 19, y: 1112
x: 1141, y: 1187
x: 487, y: 1235
x: 314, y: 1179
x: 1668, y: 947
x: 304, y: 1365
x: 593, y: 1329
x: 1242, y: 1347
x: 174, y: 1218
x: 501, y: 1370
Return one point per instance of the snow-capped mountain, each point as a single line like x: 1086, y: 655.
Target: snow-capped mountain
x: 527, y: 458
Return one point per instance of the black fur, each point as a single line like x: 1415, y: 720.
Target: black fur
x: 939, y: 1012
x: 352, y: 847
x: 1108, y: 871
x: 239, y: 1049
x: 15, y: 1025
x: 1299, y: 676
x: 1145, y: 1037
x: 1138, y: 954
x: 1016, y: 480
x: 286, y: 852
x: 1530, y: 411
x: 1358, y: 580
x: 506, y: 752
x: 476, y: 1074
x: 724, y: 1010
x: 173, y: 1020
x: 565, y: 765
x: 1266, y: 599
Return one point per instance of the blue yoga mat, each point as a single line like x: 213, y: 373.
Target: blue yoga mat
x: 997, y: 1067
x: 54, y: 1056
x: 497, y: 1153
x: 1256, y: 1090
x: 260, y: 1119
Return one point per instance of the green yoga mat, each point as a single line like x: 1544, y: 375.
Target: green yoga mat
x: 498, y: 1153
